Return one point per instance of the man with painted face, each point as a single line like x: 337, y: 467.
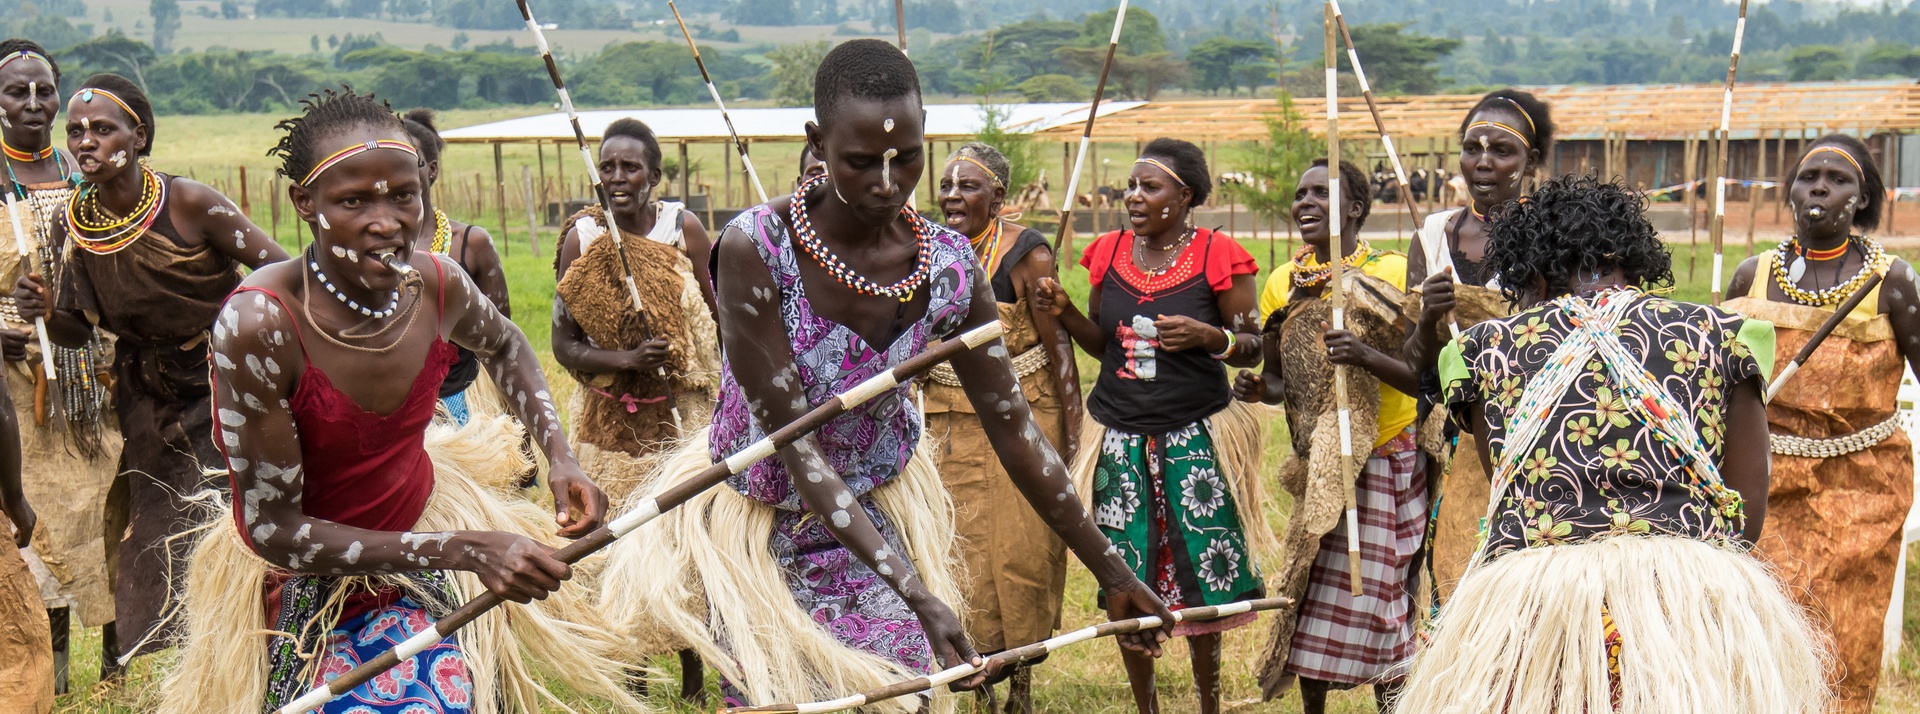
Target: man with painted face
x: 1842, y: 466
x: 1504, y: 142
x: 1333, y: 639
x: 828, y: 568
x: 152, y: 256
x: 70, y: 446
x: 355, y: 524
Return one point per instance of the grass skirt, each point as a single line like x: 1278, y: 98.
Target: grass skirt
x: 705, y: 573
x: 1702, y: 630
x: 222, y: 666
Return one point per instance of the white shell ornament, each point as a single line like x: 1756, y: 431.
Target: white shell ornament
x: 1796, y: 269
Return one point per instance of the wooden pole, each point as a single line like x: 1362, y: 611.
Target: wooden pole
x: 1756, y: 194
x: 533, y: 230
x: 273, y: 197
x: 246, y: 204
x: 1693, y: 212
x: 1717, y: 229
x: 1893, y: 169
x: 1060, y: 242
x: 540, y: 155
x: 686, y: 174
x: 1336, y: 295
x: 1780, y: 173
x: 500, y: 197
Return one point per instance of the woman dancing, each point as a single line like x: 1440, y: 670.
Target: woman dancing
x: 1016, y: 566
x: 149, y: 259
x: 1620, y: 429
x: 27, y: 667
x: 71, y: 445
x: 1334, y: 640
x: 471, y: 249
x: 360, y: 519
x: 1841, y: 463
x: 841, y: 544
x: 1172, y: 462
x: 1504, y: 141
x: 620, y: 419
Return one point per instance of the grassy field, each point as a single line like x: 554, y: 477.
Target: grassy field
x: 1082, y: 679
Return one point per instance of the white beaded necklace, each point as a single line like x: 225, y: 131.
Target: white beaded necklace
x: 393, y: 303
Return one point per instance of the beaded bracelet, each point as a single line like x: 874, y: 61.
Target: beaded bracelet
x: 1226, y: 352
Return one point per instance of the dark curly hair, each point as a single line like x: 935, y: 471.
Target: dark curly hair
x: 1355, y: 186
x: 130, y: 93
x: 861, y: 69
x: 1573, y: 227
x: 421, y: 123
x: 12, y: 45
x: 1539, y: 118
x: 327, y: 113
x: 638, y: 131
x: 1189, y: 163
x: 1873, y: 188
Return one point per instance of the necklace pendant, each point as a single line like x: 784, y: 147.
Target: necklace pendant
x: 1796, y: 269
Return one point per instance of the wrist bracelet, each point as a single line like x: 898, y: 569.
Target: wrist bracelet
x: 1226, y: 352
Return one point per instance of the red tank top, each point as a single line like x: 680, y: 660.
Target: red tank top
x: 364, y: 469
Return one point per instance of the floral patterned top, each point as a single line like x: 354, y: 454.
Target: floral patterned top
x: 1598, y: 469
x: 870, y: 445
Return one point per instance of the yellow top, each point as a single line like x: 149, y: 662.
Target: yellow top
x: 1397, y: 410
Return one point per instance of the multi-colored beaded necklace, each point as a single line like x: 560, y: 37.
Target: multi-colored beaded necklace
x: 96, y: 230
x: 1309, y: 274
x: 1876, y: 261
x: 986, y: 246
x: 844, y: 274
x: 1172, y: 271
x: 442, y: 233
x: 18, y: 155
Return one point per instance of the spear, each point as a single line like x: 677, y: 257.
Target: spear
x: 1386, y: 138
x: 1717, y: 228
x: 1826, y: 328
x: 1336, y: 205
x: 650, y: 508
x: 1086, y: 133
x: 599, y: 194
x: 741, y: 146
x: 1015, y: 656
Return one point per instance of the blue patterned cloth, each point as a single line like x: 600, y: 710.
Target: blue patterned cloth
x: 456, y: 407
x: 433, y: 682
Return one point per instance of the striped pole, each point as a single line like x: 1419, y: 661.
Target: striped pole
x: 599, y: 194
x: 1015, y: 656
x: 1086, y: 133
x: 650, y: 508
x: 26, y: 247
x: 740, y: 146
x: 1716, y: 230
x: 1336, y: 295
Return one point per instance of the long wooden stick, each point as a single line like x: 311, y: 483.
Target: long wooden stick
x: 1014, y: 656
x: 900, y: 22
x: 1086, y: 133
x: 651, y: 508
x: 1717, y: 228
x: 1826, y: 328
x: 740, y: 146
x: 600, y: 195
x: 26, y: 247
x: 1336, y: 296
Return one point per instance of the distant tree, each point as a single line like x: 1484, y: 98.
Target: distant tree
x: 52, y: 32
x: 112, y: 52
x: 229, y: 10
x: 314, y: 42
x: 1398, y: 62
x: 938, y: 15
x: 362, y: 8
x: 333, y: 41
x: 460, y: 41
x: 1817, y: 63
x: 1218, y: 59
x: 166, y: 22
x: 657, y: 68
x: 1053, y: 88
x: 1025, y: 49
x: 1890, y: 59
x: 1141, y: 64
x: 793, y: 69
x: 352, y: 44
x: 107, y: 16
x: 777, y: 13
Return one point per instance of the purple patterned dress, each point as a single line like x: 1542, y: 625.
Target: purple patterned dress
x: 868, y: 447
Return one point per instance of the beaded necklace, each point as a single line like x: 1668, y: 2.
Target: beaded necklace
x: 844, y: 274
x: 96, y: 230
x: 442, y: 233
x: 986, y: 246
x: 393, y: 303
x: 1876, y: 261
x: 1309, y: 274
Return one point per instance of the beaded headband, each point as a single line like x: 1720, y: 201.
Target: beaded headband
x: 1497, y: 125
x: 86, y: 95
x: 26, y: 54
x: 1829, y: 148
x: 1163, y: 167
x: 983, y: 167
x: 1523, y: 113
x: 356, y: 150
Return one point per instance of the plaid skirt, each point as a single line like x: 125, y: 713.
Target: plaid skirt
x: 1348, y: 640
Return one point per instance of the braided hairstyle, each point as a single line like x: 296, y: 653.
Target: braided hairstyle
x: 988, y: 156
x: 130, y: 93
x: 1539, y: 118
x: 1573, y: 227
x: 15, y: 44
x: 861, y: 69
x: 325, y: 114
x: 1354, y: 188
x: 1189, y: 164
x: 420, y: 124
x: 1873, y: 188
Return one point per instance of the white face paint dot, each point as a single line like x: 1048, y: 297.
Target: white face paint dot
x: 841, y: 519
x: 338, y: 252
x: 887, y: 125
x: 324, y: 224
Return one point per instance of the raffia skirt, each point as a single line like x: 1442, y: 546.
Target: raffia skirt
x: 223, y: 663
x: 1700, y: 629
x: 707, y: 574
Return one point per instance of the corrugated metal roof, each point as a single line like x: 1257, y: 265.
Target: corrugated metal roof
x: 945, y: 122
